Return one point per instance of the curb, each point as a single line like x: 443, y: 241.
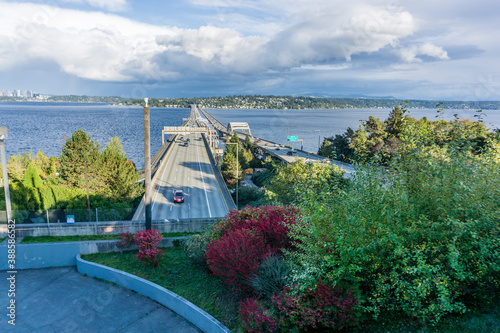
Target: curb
x: 174, y: 302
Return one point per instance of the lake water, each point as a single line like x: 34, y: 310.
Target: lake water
x: 44, y: 126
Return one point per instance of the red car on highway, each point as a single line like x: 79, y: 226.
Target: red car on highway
x: 178, y: 196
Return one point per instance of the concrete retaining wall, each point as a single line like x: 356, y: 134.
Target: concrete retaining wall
x: 104, y: 228
x: 181, y: 306
x: 43, y: 255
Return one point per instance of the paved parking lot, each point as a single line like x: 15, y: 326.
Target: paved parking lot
x: 63, y: 300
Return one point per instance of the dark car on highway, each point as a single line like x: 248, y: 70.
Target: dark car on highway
x: 178, y: 196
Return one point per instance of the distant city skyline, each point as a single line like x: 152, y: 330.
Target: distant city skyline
x: 198, y: 48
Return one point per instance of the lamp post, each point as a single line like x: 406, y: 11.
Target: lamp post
x: 87, y: 186
x: 3, y: 137
x: 147, y: 166
x: 237, y: 168
x: 319, y: 137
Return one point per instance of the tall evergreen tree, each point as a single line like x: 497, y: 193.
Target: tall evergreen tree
x: 121, y: 173
x: 80, y: 156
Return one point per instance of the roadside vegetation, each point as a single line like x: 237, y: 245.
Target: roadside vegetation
x: 409, y: 242
x: 38, y: 183
x: 377, y: 141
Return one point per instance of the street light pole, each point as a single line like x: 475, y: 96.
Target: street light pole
x: 87, y: 186
x: 147, y: 166
x: 237, y: 168
x: 3, y: 136
x: 319, y: 137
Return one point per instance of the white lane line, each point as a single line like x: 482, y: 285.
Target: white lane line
x: 158, y: 187
x: 203, y: 180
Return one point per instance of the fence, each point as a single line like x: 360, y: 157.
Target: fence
x: 63, y: 215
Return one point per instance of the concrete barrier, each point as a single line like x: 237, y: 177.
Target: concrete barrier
x: 104, y: 228
x: 174, y: 302
x: 43, y: 255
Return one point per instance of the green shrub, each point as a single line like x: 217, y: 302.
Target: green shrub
x: 271, y: 277
x: 196, y: 246
x: 421, y: 238
x: 262, y: 178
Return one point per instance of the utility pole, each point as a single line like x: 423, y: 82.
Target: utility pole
x: 319, y: 137
x: 3, y: 136
x: 87, y: 186
x: 147, y: 165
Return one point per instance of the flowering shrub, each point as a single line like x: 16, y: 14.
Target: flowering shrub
x: 272, y: 223
x: 323, y: 306
x: 235, y: 256
x: 255, y: 318
x: 150, y: 257
x: 147, y: 240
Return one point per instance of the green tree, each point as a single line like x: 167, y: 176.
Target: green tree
x: 121, y: 173
x: 396, y: 121
x: 326, y: 148
x: 18, y: 164
x: 300, y: 181
x: 32, y: 177
x: 228, y: 169
x: 80, y: 153
x: 248, y: 144
x: 338, y: 147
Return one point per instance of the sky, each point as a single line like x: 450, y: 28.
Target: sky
x: 425, y: 49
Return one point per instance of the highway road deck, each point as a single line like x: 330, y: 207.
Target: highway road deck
x: 188, y: 168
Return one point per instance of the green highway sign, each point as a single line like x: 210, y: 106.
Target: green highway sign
x: 293, y: 138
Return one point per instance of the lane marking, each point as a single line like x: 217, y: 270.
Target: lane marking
x: 203, y: 180
x: 220, y: 190
x: 157, y: 187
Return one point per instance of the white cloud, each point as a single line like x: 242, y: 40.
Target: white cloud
x: 251, y: 41
x: 411, y: 53
x: 90, y: 45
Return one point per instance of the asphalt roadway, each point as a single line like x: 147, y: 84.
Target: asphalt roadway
x: 188, y: 168
x: 63, y: 300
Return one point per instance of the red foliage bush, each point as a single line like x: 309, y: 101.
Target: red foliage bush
x: 323, y: 306
x: 255, y: 318
x: 126, y: 239
x: 272, y: 223
x: 150, y: 257
x: 235, y: 256
x: 148, y: 239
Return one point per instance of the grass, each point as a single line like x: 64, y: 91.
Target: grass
x: 178, y: 274
x: 56, y: 239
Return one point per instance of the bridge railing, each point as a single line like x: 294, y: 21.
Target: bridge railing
x: 105, y: 228
x: 225, y: 191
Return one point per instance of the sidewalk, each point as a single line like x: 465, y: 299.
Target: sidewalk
x: 63, y: 300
